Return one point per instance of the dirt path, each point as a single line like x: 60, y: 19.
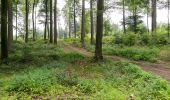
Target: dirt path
x: 161, y: 69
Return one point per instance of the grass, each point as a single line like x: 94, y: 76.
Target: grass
x: 45, y: 71
x: 148, y: 53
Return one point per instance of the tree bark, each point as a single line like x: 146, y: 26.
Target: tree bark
x: 4, y: 41
x: 33, y: 21
x: 10, y: 23
x: 75, y: 26
x: 83, y: 23
x: 168, y: 20
x: 99, y: 35
x: 55, y: 22
x: 46, y: 19
x: 91, y: 16
x: 51, y: 21
x: 26, y: 20
x: 154, y: 16
x: 124, y: 24
x: 16, y: 20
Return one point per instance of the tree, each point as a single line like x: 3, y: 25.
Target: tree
x: 16, y: 18
x: 33, y: 21
x: 92, y: 24
x: 75, y: 26
x: 83, y: 23
x: 4, y: 41
x: 99, y: 34
x: 10, y: 23
x: 124, y: 17
x: 51, y: 21
x: 154, y: 16
x: 26, y: 20
x: 55, y: 22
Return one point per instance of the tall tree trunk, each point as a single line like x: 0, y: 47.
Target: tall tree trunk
x: 168, y: 20
x: 135, y: 20
x: 124, y: 24
x: 69, y: 22
x: 99, y: 35
x: 154, y: 16
x: 4, y: 41
x: 16, y: 20
x: 46, y: 19
x: 51, y: 21
x: 26, y: 20
x: 33, y: 21
x: 10, y: 23
x: 55, y: 22
x: 148, y: 18
x: 83, y: 23
x: 35, y: 35
x: 75, y: 26
x: 91, y: 17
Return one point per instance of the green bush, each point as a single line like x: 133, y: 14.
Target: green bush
x: 135, y: 53
x: 130, y: 39
x: 37, y: 82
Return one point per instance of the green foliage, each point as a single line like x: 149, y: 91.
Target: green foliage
x: 89, y: 86
x: 130, y: 39
x: 37, y: 82
x: 67, y: 78
x: 59, y: 74
x: 135, y: 53
x: 72, y: 57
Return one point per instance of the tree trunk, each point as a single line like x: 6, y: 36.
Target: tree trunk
x: 75, y: 26
x: 124, y: 24
x: 69, y: 23
x: 83, y: 23
x: 46, y: 20
x: 148, y: 18
x: 4, y: 41
x: 51, y: 21
x: 168, y: 20
x: 154, y: 16
x: 55, y: 22
x: 26, y: 20
x: 35, y: 35
x: 16, y: 20
x: 10, y: 23
x: 91, y: 16
x: 33, y: 21
x: 99, y: 35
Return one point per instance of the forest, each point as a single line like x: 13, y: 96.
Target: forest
x: 85, y: 50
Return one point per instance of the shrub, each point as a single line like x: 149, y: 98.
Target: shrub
x: 37, y: 82
x: 130, y: 39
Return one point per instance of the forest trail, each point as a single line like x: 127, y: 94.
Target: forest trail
x: 161, y: 69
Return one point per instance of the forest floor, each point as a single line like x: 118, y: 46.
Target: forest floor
x: 43, y: 71
x: 159, y: 68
